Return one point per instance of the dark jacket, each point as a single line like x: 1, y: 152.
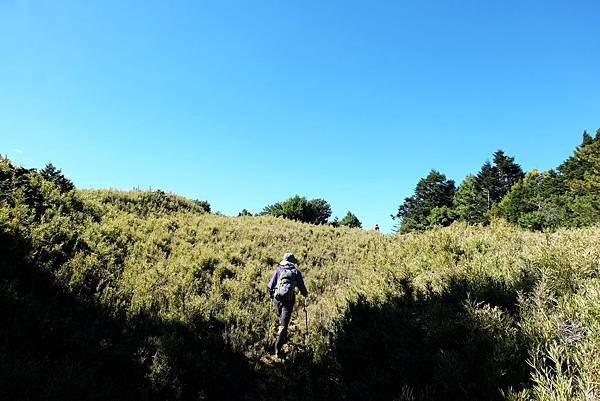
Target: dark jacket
x: 275, y: 278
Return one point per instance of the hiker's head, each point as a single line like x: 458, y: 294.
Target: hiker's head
x: 289, y: 257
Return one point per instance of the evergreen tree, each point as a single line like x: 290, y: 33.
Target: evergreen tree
x: 275, y: 209
x: 587, y: 138
x: 509, y: 173
x: 569, y: 197
x: 582, y: 160
x: 319, y: 211
x: 297, y: 208
x: 535, y: 202
x: 53, y: 174
x: 469, y: 203
x: 487, y: 183
x: 433, y: 191
x: 583, y: 168
x: 494, y: 181
x: 582, y: 178
x: 440, y: 216
x: 350, y: 220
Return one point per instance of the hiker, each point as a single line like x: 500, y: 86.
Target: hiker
x: 376, y: 227
x: 282, y: 289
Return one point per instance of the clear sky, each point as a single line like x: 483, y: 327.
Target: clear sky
x: 246, y: 103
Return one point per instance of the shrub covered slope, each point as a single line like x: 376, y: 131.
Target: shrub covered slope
x: 116, y: 295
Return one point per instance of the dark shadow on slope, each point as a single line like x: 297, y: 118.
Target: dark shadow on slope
x: 54, y: 346
x: 414, y: 349
x: 432, y: 349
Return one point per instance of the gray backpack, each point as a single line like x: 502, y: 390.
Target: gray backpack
x: 284, y: 289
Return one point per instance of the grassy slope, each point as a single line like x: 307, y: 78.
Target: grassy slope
x: 453, y: 313
x: 218, y: 267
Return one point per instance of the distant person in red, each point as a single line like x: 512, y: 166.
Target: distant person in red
x: 282, y: 289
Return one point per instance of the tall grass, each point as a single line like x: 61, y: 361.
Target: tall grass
x: 463, y: 312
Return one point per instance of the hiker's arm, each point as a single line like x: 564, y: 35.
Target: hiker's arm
x: 301, y: 285
x: 273, y: 282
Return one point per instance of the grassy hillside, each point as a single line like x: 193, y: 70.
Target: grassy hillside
x: 129, y: 295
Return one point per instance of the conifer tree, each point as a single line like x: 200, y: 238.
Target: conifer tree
x: 582, y: 160
x: 433, y: 191
x: 53, y: 174
x: 584, y: 176
x: 487, y: 183
x: 569, y: 197
x: 494, y: 181
x: 469, y: 203
x: 509, y: 172
x: 587, y: 138
x: 350, y: 220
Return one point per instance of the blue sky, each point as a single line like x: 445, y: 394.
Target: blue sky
x: 246, y: 103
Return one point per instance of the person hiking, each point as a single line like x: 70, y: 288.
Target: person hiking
x: 282, y: 287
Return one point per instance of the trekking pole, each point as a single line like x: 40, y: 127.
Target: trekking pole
x: 305, y: 322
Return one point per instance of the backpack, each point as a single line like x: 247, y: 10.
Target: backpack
x: 284, y: 289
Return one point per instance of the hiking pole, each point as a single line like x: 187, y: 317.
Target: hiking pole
x: 305, y: 322
x: 274, y: 309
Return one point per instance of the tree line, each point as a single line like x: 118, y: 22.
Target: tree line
x: 568, y: 196
x: 313, y: 211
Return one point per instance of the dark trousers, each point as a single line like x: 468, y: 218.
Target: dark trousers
x: 284, y: 311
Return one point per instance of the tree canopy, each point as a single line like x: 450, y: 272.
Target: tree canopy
x: 298, y: 208
x: 469, y: 203
x: 433, y: 191
x: 55, y: 175
x: 495, y: 180
x: 350, y: 220
x: 569, y: 196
